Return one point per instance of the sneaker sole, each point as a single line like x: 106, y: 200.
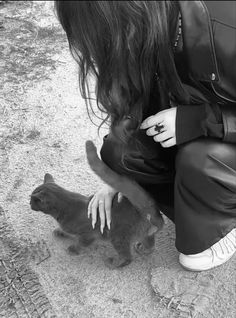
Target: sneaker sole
x: 206, y: 268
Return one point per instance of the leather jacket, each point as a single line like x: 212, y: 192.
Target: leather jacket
x: 209, y: 47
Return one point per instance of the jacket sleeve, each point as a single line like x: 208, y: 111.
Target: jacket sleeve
x: 229, y: 122
x: 209, y: 120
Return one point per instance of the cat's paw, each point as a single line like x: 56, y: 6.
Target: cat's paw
x: 73, y: 249
x: 116, y: 262
x: 143, y: 250
x: 139, y: 248
x: 59, y: 233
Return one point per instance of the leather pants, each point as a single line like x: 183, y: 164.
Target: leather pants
x: 194, y: 184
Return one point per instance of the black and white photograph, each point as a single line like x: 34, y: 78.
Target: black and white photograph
x: 117, y: 159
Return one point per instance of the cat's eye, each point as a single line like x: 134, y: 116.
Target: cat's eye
x: 35, y: 198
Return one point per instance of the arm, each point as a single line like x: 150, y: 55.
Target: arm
x: 193, y: 121
x: 209, y: 120
x: 185, y: 123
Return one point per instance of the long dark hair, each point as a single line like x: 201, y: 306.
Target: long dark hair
x: 123, y: 43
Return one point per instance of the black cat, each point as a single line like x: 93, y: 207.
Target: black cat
x: 135, y: 218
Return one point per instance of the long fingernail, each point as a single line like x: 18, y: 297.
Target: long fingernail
x: 93, y: 224
x: 101, y: 230
x: 109, y: 225
x: 119, y: 197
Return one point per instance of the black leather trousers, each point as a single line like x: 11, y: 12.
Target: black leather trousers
x: 194, y: 184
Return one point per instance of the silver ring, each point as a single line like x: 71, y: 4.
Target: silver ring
x: 158, y: 128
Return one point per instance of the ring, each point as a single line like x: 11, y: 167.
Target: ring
x: 100, y: 202
x: 158, y: 128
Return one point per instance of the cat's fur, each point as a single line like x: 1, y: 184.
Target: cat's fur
x: 129, y: 227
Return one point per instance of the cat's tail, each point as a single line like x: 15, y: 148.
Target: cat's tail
x: 138, y: 197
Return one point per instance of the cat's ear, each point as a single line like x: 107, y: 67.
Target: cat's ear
x: 48, y: 178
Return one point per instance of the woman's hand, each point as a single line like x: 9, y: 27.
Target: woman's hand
x: 102, y: 202
x: 162, y: 127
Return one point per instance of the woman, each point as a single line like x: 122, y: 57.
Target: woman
x: 167, y: 84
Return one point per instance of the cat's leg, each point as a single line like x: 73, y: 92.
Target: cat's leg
x: 121, y: 242
x: 86, y: 239
x: 60, y: 233
x: 75, y: 248
x: 81, y: 240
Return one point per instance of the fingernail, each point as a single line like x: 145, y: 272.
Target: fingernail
x: 101, y: 230
x: 109, y: 225
x: 119, y: 199
x: 93, y: 224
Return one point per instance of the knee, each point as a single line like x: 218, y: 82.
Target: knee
x: 190, y: 156
x: 111, y: 152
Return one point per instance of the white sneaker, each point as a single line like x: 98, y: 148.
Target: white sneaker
x: 216, y: 255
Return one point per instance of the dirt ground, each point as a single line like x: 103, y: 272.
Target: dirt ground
x: 43, y: 128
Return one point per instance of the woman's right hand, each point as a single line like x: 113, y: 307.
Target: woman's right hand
x: 101, y: 202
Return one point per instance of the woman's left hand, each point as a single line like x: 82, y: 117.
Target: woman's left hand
x: 162, y: 127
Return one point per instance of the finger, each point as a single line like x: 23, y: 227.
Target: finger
x: 153, y: 131
x: 90, y: 207
x: 94, y: 208
x: 108, y: 204
x: 152, y: 121
x: 101, y: 209
x: 169, y: 143
x: 166, y: 135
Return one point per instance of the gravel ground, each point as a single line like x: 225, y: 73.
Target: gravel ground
x: 43, y: 128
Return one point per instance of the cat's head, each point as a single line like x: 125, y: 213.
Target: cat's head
x: 44, y: 197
